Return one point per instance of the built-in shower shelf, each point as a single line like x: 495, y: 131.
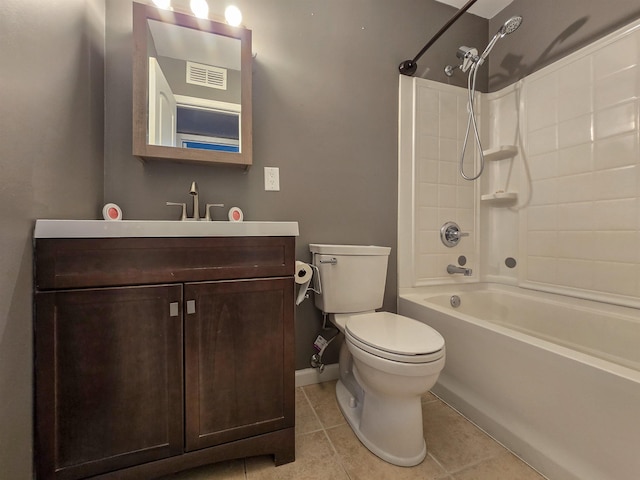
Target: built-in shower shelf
x: 500, y: 153
x: 500, y: 198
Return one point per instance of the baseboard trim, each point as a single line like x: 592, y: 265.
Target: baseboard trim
x: 309, y: 376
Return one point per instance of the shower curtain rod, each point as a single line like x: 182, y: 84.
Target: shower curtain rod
x: 408, y: 67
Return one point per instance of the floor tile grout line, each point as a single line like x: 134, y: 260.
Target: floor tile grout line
x: 477, y: 462
x: 437, y: 462
x: 313, y: 409
x: 508, y: 450
x: 337, y: 454
x: 473, y: 464
x: 324, y: 430
x: 447, y: 474
x: 322, y: 425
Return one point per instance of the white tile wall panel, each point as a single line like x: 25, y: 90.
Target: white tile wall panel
x: 542, y: 102
x: 616, y: 151
x: 617, y: 88
x: 575, y: 131
x: 448, y: 117
x: 615, y: 214
x: 440, y: 123
x: 614, y: 278
x: 544, y: 165
x: 575, y: 160
x: 542, y: 217
x: 616, y: 120
x: 576, y: 226
x: 577, y: 216
x: 615, y: 183
x: 581, y: 229
x: 617, y: 247
x: 575, y: 90
x: 544, y: 140
x: 618, y: 55
x: 542, y: 270
x: 575, y: 273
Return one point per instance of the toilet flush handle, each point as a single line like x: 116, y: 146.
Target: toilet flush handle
x: 331, y: 261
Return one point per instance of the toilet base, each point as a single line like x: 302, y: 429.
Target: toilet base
x: 352, y: 411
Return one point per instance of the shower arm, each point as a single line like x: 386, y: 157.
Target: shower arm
x: 408, y: 67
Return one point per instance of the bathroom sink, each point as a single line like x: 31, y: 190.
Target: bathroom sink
x: 160, y: 228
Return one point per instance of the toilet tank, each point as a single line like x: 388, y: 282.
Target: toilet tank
x: 352, y: 277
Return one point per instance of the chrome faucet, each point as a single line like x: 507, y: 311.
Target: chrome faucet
x: 196, y: 206
x: 452, y: 269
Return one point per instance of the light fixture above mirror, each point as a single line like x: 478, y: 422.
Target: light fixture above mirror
x: 233, y: 15
x: 165, y: 4
x: 192, y: 88
x: 200, y: 9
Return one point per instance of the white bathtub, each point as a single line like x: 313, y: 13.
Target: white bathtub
x: 555, y: 379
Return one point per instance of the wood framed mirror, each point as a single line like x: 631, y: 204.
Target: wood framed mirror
x: 191, y: 89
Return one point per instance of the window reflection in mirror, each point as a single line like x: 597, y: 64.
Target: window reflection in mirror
x: 192, y: 88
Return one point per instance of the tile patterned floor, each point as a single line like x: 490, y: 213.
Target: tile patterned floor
x: 327, y: 449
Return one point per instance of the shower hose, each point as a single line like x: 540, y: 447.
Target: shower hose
x: 471, y: 87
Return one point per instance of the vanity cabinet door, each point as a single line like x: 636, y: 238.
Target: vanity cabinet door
x: 108, y: 374
x: 239, y: 365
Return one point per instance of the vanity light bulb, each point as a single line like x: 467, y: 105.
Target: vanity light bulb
x: 166, y: 4
x: 233, y: 15
x: 200, y: 8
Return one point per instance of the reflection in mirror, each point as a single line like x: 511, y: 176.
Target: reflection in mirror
x: 192, y: 88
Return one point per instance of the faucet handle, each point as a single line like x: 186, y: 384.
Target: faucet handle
x: 450, y: 234
x: 208, y: 212
x: 184, y: 208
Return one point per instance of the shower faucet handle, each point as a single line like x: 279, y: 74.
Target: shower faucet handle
x: 450, y: 234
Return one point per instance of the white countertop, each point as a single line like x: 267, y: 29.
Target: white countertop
x: 161, y: 228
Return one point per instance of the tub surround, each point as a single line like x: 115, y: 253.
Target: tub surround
x: 572, y: 132
x: 556, y: 377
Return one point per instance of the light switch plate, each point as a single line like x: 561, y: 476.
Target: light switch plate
x: 272, y: 179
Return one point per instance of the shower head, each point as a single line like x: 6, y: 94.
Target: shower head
x: 509, y: 26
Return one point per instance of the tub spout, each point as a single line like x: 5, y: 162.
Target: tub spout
x: 452, y: 269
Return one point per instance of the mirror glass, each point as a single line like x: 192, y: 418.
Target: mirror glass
x: 192, y: 88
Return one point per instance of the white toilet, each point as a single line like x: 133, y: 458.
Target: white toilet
x: 387, y: 361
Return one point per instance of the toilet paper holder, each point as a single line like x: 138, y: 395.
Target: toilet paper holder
x: 314, y: 284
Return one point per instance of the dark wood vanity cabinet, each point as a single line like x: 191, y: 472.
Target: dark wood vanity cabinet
x: 154, y: 355
x: 109, y: 374
x: 234, y: 360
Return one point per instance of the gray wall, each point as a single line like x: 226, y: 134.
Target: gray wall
x: 51, y: 161
x: 551, y: 30
x: 325, y: 88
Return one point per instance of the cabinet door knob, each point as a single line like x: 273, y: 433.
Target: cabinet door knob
x: 191, y: 307
x: 174, y: 309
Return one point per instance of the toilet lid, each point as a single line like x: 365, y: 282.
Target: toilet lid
x: 394, y: 333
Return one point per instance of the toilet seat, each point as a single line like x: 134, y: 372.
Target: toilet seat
x: 394, y: 337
